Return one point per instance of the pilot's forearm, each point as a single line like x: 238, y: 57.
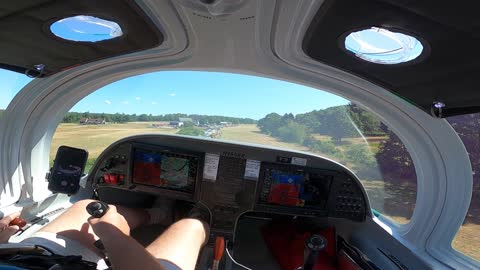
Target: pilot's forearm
x: 126, y: 253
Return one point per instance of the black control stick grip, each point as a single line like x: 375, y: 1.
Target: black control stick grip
x: 97, y: 209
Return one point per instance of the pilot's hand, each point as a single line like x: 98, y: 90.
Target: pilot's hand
x: 6, y: 231
x: 104, y: 226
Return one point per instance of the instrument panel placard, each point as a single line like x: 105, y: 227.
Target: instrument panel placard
x: 252, y: 169
x: 210, y: 168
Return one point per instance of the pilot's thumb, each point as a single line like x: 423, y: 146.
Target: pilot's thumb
x: 93, y: 221
x: 8, y: 232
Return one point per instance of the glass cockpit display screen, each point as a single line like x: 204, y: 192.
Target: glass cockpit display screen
x: 295, y: 188
x: 165, y: 169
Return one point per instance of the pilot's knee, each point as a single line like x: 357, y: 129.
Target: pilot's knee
x: 193, y: 224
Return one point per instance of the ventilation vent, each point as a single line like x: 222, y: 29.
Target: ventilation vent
x: 203, y: 16
x: 247, y: 18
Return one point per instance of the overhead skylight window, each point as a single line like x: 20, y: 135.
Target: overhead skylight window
x: 85, y: 29
x: 381, y: 46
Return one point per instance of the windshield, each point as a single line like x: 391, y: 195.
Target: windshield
x: 249, y: 109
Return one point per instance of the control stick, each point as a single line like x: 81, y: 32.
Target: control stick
x: 97, y: 209
x: 313, y: 245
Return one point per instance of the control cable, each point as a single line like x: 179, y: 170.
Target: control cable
x: 233, y: 260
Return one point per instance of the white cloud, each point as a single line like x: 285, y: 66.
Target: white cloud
x: 138, y: 98
x: 124, y: 102
x: 172, y: 94
x: 108, y: 102
x: 154, y: 103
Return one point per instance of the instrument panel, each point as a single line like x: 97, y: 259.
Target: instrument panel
x: 230, y: 179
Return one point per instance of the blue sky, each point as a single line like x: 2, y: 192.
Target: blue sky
x: 192, y: 92
x: 383, y: 46
x: 86, y: 28
x: 10, y: 84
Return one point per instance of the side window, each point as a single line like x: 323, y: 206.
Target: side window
x: 12, y: 83
x: 254, y: 110
x: 467, y: 240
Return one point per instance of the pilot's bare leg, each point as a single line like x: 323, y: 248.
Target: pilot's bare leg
x: 73, y: 223
x: 180, y: 243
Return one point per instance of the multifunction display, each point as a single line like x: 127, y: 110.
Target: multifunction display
x: 295, y: 187
x: 165, y: 169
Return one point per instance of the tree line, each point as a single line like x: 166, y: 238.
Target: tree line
x: 337, y: 122
x: 74, y: 117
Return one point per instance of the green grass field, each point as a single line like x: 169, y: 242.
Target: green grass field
x: 386, y: 198
x: 251, y: 134
x: 96, y: 138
